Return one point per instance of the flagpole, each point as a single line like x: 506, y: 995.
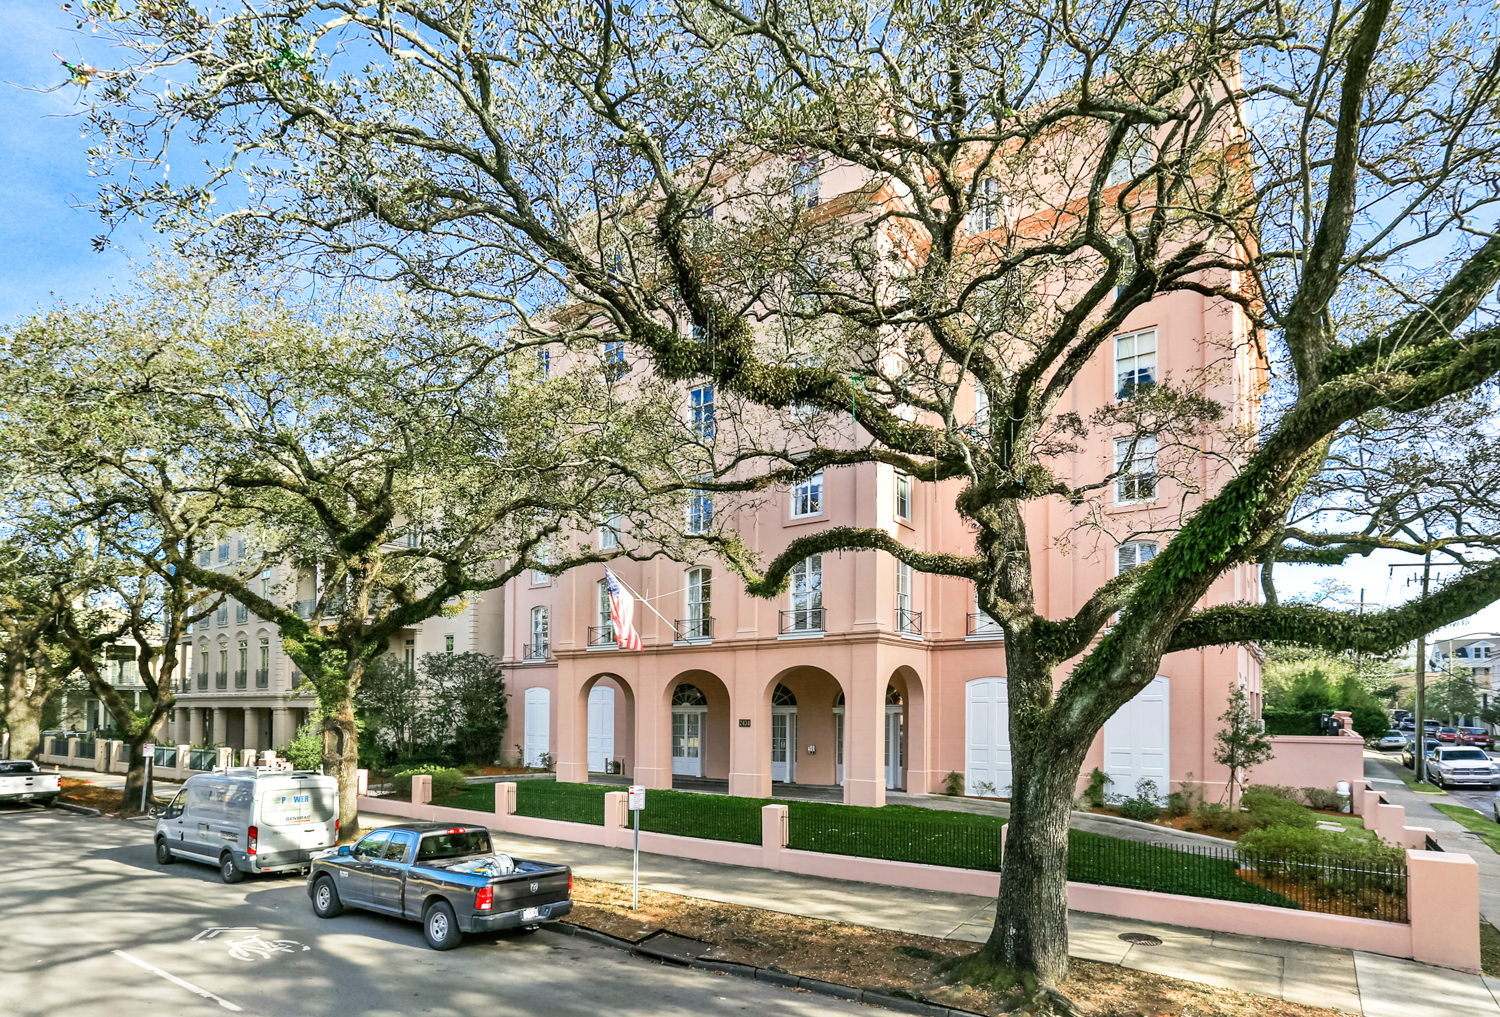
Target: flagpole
x: 640, y: 598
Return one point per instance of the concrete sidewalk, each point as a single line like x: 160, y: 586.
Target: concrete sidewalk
x: 1319, y: 976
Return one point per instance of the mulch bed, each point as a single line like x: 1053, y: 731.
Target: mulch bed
x: 896, y: 963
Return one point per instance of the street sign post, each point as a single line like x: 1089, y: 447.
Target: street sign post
x: 637, y: 802
x: 149, y: 751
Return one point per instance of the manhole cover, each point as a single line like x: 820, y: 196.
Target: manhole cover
x: 1140, y: 939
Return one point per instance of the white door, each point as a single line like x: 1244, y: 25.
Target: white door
x: 601, y: 727
x: 784, y: 744
x: 1137, y: 741
x: 538, y: 723
x: 987, y: 737
x: 838, y: 721
x: 893, y: 746
x: 687, y: 742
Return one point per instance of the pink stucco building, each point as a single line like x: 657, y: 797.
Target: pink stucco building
x: 866, y: 674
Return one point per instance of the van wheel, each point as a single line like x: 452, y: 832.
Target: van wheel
x: 440, y: 927
x: 163, y: 853
x: 227, y: 871
x: 325, y: 898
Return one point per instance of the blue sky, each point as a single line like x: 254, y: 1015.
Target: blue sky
x: 46, y: 231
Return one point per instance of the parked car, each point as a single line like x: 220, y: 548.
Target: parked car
x: 1447, y: 734
x: 1476, y: 736
x: 247, y: 819
x: 449, y: 878
x: 1391, y: 740
x: 1406, y: 724
x: 1408, y: 754
x: 21, y: 780
x: 1463, y: 765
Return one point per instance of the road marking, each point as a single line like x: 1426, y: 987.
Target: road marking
x: 189, y: 986
x: 210, y: 933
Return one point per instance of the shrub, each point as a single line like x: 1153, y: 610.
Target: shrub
x: 1094, y: 792
x: 1181, y: 802
x: 1281, y: 843
x: 1214, y: 817
x: 1143, y: 805
x: 445, y: 780
x: 1291, y: 794
x: 953, y: 784
x: 1322, y: 798
x: 1267, y: 809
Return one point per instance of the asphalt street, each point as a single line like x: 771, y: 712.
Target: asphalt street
x: 91, y: 925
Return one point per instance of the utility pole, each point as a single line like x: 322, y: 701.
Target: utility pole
x: 1419, y: 750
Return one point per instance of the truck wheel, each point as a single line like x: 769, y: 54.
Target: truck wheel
x: 49, y: 802
x: 163, y: 853
x: 227, y: 871
x: 440, y: 927
x: 325, y: 898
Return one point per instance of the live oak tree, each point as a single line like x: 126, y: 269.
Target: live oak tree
x: 1016, y: 178
x: 376, y: 465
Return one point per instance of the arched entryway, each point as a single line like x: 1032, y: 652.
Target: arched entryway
x: 606, y: 724
x: 803, y: 734
x: 783, y: 735
x: 698, y: 702
x: 536, y: 727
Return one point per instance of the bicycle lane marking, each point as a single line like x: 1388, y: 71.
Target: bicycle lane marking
x: 184, y: 983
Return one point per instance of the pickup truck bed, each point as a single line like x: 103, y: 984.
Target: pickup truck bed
x: 446, y: 877
x: 21, y: 780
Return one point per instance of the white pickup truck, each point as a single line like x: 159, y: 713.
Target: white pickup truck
x: 21, y: 780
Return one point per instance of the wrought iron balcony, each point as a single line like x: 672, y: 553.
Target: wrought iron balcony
x: 202, y: 680
x: 909, y: 623
x: 538, y: 651
x: 262, y: 678
x: 694, y: 630
x: 801, y: 620
x: 221, y: 679
x: 983, y: 626
x: 239, y: 679
x: 602, y: 635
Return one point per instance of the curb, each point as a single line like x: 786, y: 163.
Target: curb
x: 770, y: 976
x: 82, y: 810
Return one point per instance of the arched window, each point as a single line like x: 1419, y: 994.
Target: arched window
x: 688, y: 694
x: 892, y: 697
x: 782, y: 696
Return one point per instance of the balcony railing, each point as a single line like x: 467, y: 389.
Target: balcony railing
x: 202, y: 680
x: 239, y: 679
x: 909, y: 623
x: 262, y: 678
x: 602, y: 635
x: 983, y: 626
x: 538, y: 651
x: 801, y: 620
x: 694, y: 630
x: 221, y: 679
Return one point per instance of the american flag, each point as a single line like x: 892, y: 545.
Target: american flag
x: 622, y: 613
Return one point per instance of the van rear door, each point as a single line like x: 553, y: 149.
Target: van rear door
x: 296, y: 819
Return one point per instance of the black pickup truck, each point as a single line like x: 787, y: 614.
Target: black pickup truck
x: 449, y: 878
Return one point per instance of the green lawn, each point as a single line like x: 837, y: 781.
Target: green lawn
x: 1489, y: 949
x: 1410, y: 781
x: 1488, y: 830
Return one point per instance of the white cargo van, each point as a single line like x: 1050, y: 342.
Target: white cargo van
x: 249, y: 819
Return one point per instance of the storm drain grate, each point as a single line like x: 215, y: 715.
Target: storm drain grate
x: 1140, y: 939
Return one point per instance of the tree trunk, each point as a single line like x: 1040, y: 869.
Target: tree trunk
x: 341, y: 760
x: 23, y: 720
x: 1030, y: 936
x: 135, y: 774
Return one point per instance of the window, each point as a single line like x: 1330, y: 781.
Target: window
x: 807, y: 595
x: 1482, y: 651
x: 413, y: 537
x: 984, y: 214
x: 609, y: 532
x: 448, y: 645
x: 1137, y: 479
x: 265, y: 655
x: 700, y: 617
x: 981, y: 408
x: 701, y: 402
x: 205, y: 557
x: 223, y: 614
x: 1132, y: 553
x: 982, y: 624
x: 239, y: 548
x: 805, y: 169
x: 542, y: 555
x: 265, y: 584
x: 1135, y: 362
x: 1134, y: 156
x: 906, y: 621
x: 224, y: 551
x: 410, y: 656
x: 543, y: 363
x: 807, y: 496
x: 606, y: 627
x: 700, y: 512
x: 614, y: 360
x: 903, y: 496
x: 223, y: 661
x: 244, y: 657
x: 540, y: 634
x: 241, y: 613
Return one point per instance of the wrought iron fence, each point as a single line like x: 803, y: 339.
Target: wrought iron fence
x: 571, y: 803
x: 86, y: 748
x: 691, y: 630
x: 714, y: 817
x: 801, y: 619
x: 873, y: 834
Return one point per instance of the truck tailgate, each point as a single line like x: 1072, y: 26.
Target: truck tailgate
x: 531, y: 885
